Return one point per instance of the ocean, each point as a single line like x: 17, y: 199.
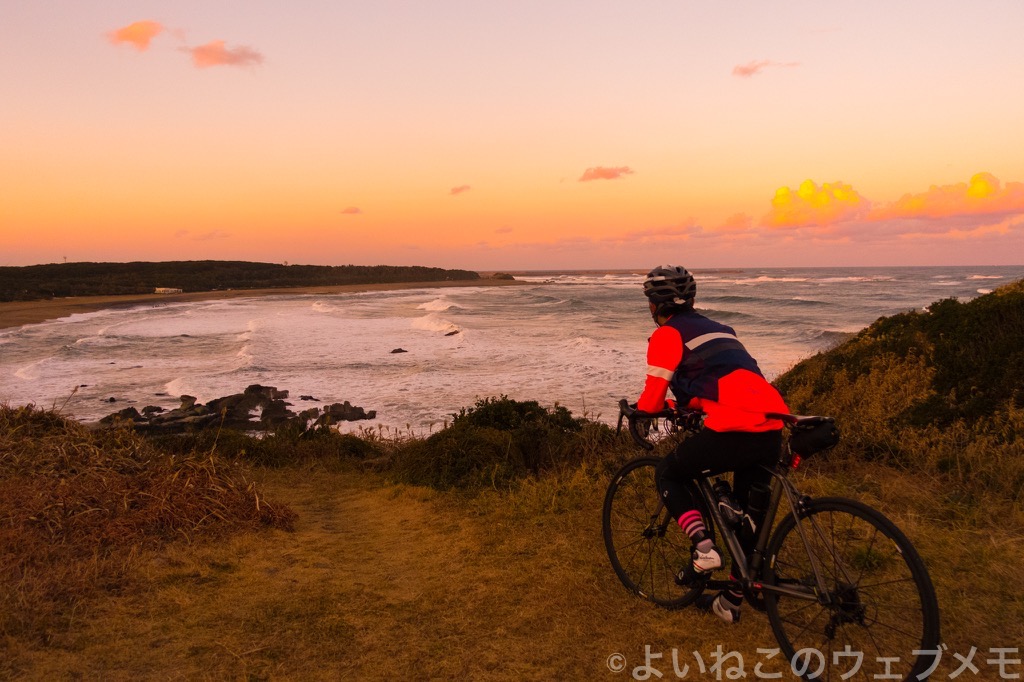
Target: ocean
x: 572, y: 339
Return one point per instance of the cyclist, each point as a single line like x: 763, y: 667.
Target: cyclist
x: 708, y: 369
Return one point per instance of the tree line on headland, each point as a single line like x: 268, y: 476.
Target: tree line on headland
x: 55, y: 280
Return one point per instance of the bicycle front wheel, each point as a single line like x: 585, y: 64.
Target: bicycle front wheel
x: 645, y: 544
x: 878, y: 606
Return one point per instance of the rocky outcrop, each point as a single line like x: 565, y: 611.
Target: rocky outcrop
x: 258, y: 408
x: 343, y: 412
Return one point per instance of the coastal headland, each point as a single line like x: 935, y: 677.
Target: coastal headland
x: 18, y: 313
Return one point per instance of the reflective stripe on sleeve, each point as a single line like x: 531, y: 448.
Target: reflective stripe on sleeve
x: 660, y: 372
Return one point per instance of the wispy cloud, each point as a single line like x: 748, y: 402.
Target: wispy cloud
x: 352, y: 210
x: 753, y: 68
x: 603, y: 173
x: 739, y: 222
x: 454, y: 191
x: 209, y: 236
x: 216, y: 53
x: 138, y: 34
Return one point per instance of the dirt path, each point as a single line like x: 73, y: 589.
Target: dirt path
x: 384, y: 582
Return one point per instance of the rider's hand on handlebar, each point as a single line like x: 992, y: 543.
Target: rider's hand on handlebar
x: 691, y: 421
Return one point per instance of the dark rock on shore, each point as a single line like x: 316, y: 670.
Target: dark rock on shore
x: 258, y: 408
x: 343, y: 412
x: 399, y: 350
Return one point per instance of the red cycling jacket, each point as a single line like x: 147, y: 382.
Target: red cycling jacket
x: 708, y: 368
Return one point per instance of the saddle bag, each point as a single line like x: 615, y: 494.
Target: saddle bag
x: 812, y: 437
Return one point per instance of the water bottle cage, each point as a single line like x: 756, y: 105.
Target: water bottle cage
x: 732, y: 514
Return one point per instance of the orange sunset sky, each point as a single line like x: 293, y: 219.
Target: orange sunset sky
x: 513, y: 135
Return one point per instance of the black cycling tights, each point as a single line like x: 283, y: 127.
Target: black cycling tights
x: 712, y: 452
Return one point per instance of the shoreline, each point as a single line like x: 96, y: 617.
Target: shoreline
x: 14, y: 314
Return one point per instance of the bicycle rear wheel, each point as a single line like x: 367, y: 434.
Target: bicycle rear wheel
x: 645, y: 544
x: 879, y: 602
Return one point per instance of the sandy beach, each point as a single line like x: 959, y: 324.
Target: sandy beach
x: 18, y: 313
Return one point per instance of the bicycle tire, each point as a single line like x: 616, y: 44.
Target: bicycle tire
x: 645, y: 551
x: 884, y: 604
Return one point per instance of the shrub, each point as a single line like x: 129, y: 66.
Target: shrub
x: 287, y: 446
x: 936, y: 391
x: 496, y: 441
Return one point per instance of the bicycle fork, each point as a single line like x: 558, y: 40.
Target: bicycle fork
x: 822, y: 592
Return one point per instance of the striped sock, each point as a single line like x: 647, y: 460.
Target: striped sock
x: 693, y: 525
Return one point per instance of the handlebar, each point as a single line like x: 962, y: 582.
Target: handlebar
x: 687, y: 419
x: 818, y: 433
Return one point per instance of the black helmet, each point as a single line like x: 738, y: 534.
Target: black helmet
x: 670, y: 286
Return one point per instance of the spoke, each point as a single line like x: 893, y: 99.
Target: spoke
x: 631, y: 528
x: 896, y: 629
x: 887, y: 582
x: 808, y: 605
x: 632, y: 516
x: 809, y: 624
x: 643, y: 569
x: 661, y: 551
x: 871, y: 636
x: 635, y: 552
x: 650, y: 563
x: 630, y: 544
x: 870, y: 585
x: 867, y: 556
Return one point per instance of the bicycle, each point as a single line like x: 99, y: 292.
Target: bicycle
x: 834, y: 575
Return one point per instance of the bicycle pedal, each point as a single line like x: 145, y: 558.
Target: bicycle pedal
x: 688, y: 577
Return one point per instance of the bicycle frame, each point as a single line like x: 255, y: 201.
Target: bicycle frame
x: 750, y: 568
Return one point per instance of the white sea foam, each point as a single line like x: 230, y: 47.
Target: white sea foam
x: 323, y: 307
x: 437, y: 305
x: 177, y: 387
x: 578, y: 340
x: 434, y: 323
x: 31, y: 371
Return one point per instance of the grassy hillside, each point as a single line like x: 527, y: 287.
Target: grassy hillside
x: 102, y: 279
x: 127, y: 559
x: 476, y: 552
x: 940, y: 392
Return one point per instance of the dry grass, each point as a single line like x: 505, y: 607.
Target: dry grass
x: 384, y: 580
x: 389, y: 581
x: 77, y: 508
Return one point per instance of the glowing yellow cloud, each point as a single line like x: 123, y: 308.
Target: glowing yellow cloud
x: 138, y: 34
x: 983, y: 195
x: 214, y: 53
x: 812, y: 205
